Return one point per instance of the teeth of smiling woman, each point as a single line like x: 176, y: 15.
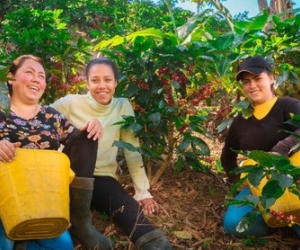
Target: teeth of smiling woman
x: 33, y: 87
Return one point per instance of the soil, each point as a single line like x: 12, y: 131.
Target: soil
x: 191, y: 213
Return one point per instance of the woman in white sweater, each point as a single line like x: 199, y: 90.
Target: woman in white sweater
x: 108, y: 195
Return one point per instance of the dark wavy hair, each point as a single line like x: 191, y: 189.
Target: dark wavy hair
x: 17, y: 63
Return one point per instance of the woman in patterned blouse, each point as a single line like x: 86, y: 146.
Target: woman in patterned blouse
x: 31, y: 125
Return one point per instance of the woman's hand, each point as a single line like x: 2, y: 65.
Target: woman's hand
x: 94, y: 129
x: 149, y: 206
x: 8, y: 150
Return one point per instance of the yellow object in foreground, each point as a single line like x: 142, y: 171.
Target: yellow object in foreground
x: 288, y: 203
x: 34, y: 197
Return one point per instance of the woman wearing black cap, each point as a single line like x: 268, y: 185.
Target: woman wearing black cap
x: 262, y: 131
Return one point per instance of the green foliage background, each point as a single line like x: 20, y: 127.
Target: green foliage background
x: 176, y: 67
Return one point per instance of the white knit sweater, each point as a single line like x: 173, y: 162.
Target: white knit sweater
x: 81, y: 108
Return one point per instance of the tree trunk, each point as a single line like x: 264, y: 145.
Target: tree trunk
x: 273, y: 8
x: 262, y: 5
x: 276, y: 6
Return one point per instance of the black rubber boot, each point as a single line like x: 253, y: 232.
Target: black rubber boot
x: 81, y: 191
x: 20, y: 245
x: 154, y: 240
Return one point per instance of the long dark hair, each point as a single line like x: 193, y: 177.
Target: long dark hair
x: 101, y: 60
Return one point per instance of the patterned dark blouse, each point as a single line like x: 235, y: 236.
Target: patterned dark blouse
x: 47, y: 130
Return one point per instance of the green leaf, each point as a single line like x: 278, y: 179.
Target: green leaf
x: 125, y: 145
x: 4, y: 99
x: 149, y: 153
x: 245, y: 108
x: 196, y: 127
x: 252, y: 199
x: 267, y: 159
x: 225, y: 41
x: 267, y: 202
x: 258, y: 23
x: 194, y: 162
x: 155, y: 118
x: 248, y: 220
x: 246, y: 113
x: 152, y: 32
x: 285, y: 181
x: 135, y: 127
x: 198, y: 118
x: 179, y: 164
x: 191, y: 23
x: 224, y: 124
x: 178, y: 122
x: 200, y: 146
x: 295, y: 120
x: 247, y: 200
x: 128, y: 122
x: 255, y: 24
x: 295, y: 171
x: 237, y: 185
x: 117, y: 40
x: 184, y: 144
x: 272, y: 189
x: 243, y: 104
x: 256, y: 175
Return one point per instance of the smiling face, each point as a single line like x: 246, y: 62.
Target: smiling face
x: 101, y: 82
x: 28, y: 81
x: 258, y: 87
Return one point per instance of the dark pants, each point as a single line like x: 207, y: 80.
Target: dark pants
x: 110, y: 197
x: 82, y: 153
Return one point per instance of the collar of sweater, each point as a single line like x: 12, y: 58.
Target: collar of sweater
x: 98, y: 106
x: 260, y: 111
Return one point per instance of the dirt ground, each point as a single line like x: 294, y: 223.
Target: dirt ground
x: 191, y: 211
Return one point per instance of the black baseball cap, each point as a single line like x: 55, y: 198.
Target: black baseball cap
x: 253, y: 65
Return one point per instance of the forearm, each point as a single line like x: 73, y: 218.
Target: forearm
x: 140, y: 182
x: 284, y: 146
x: 229, y: 163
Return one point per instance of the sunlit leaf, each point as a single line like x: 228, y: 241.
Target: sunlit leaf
x: 248, y: 220
x: 183, y: 235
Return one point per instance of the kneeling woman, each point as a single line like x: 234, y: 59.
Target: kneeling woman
x: 264, y: 130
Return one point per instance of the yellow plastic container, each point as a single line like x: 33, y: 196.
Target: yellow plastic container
x: 34, y: 197
x: 288, y: 203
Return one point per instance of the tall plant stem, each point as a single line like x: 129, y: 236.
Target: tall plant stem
x: 169, y: 5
